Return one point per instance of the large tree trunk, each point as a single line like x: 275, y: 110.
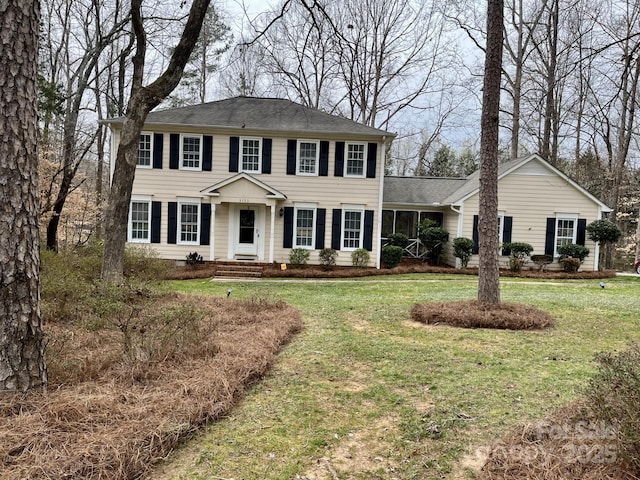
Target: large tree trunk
x: 22, y: 361
x: 142, y: 100
x: 489, y: 274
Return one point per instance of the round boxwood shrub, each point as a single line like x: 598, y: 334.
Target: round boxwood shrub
x: 391, y: 255
x: 574, y: 251
x: 398, y: 240
x: 328, y: 258
x: 463, y: 249
x: 299, y: 257
x: 518, y: 254
x: 360, y: 258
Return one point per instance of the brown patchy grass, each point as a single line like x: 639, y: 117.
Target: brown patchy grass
x: 472, y: 314
x: 568, y: 445
x: 121, y: 398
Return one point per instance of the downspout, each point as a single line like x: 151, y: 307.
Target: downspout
x: 383, y: 157
x: 459, y: 233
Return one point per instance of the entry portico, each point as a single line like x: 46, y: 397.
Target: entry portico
x: 248, y: 202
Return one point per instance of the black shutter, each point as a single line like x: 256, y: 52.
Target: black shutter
x: 173, y: 222
x: 550, y: 236
x: 339, y: 157
x: 368, y: 230
x: 507, y: 227
x: 174, y: 151
x: 581, y: 234
x: 287, y: 241
x: 158, y: 141
x: 205, y: 223
x: 321, y: 220
x: 266, y: 155
x: 291, y: 156
x: 155, y: 221
x: 372, y: 152
x: 323, y: 168
x: 474, y: 235
x: 207, y: 153
x: 234, y: 153
x: 336, y: 228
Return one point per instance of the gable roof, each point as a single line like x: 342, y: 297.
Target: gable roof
x: 214, y: 190
x: 255, y: 114
x: 472, y: 186
x: 419, y: 190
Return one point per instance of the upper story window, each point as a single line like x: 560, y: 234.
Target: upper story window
x: 139, y: 220
x: 191, y: 152
x: 354, y: 161
x: 250, y: 155
x: 308, y: 157
x: 566, y: 231
x: 145, y: 150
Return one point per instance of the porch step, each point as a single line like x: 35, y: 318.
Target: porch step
x: 238, y: 270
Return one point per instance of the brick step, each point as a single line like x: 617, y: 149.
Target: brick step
x: 237, y: 274
x: 235, y: 270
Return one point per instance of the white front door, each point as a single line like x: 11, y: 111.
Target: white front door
x: 246, y: 231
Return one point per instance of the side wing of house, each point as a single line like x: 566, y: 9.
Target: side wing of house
x: 243, y: 195
x: 539, y: 206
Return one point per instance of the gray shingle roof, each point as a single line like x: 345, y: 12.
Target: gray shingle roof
x: 419, y: 190
x: 251, y: 113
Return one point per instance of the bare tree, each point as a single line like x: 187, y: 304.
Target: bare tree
x: 141, y: 101
x: 22, y: 357
x: 489, y: 269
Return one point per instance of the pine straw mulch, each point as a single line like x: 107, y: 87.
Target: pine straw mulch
x: 568, y: 445
x: 472, y: 314
x: 208, y: 270
x: 135, y: 408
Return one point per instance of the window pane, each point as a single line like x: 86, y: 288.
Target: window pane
x: 191, y: 152
x: 564, y: 231
x: 144, y: 150
x: 189, y: 223
x: 250, y: 155
x: 355, y: 159
x: 435, y: 216
x: 308, y: 155
x: 352, y: 227
x: 139, y: 221
x: 387, y: 223
x: 407, y: 223
x: 304, y: 228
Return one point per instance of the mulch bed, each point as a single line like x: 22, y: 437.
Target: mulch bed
x: 130, y: 411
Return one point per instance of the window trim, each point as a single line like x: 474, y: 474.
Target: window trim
x: 183, y: 136
x: 151, y: 139
x: 305, y: 206
x: 501, y: 215
x: 565, y: 216
x: 139, y: 199
x: 316, y: 160
x: 352, y: 208
x: 241, y: 155
x: 346, y: 160
x: 188, y: 201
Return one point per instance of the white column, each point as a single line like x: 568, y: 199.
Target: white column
x: 212, y: 236
x: 272, y: 232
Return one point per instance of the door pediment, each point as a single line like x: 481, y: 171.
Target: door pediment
x: 244, y: 188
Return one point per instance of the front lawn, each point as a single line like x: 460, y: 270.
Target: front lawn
x: 365, y: 393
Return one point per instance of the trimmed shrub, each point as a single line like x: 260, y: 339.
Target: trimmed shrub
x: 542, y: 261
x: 570, y: 264
x: 572, y: 256
x: 463, y: 249
x: 194, y: 259
x: 518, y: 254
x: 398, y: 240
x: 391, y: 255
x: 604, y: 231
x: 614, y: 395
x: 328, y: 258
x: 299, y: 257
x: 360, y: 258
x: 433, y: 238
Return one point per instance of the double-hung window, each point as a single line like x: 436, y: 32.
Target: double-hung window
x: 145, y: 150
x: 191, y: 152
x: 352, y: 227
x: 139, y: 220
x: 308, y: 157
x: 188, y: 222
x: 305, y: 218
x: 250, y: 155
x: 566, y: 230
x: 354, y: 162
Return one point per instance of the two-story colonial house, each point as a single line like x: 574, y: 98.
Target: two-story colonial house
x: 251, y: 178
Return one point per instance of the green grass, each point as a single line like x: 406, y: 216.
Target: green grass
x: 384, y: 397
